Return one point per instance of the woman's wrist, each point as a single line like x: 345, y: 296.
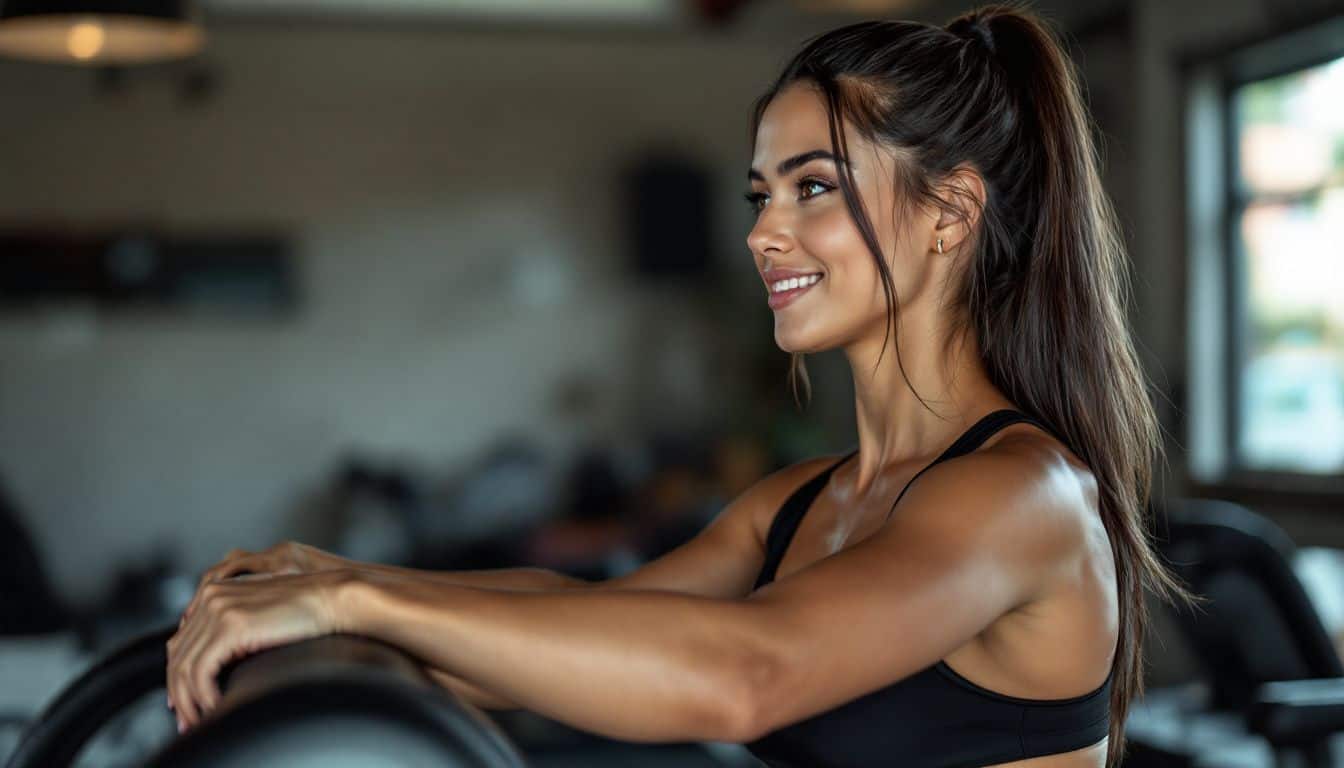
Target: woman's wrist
x: 353, y: 599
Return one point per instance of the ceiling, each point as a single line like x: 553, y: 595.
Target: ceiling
x: 567, y: 11
x: 652, y: 13
x: 503, y: 9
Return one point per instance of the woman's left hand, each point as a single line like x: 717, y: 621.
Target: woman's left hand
x: 242, y: 615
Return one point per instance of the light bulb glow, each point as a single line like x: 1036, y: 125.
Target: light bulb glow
x: 86, y: 40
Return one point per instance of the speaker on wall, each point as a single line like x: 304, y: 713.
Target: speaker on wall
x: 668, y: 217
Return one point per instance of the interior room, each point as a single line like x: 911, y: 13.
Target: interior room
x: 461, y: 286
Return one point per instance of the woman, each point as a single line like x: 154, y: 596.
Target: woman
x: 933, y: 190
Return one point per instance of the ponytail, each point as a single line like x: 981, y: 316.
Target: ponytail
x: 1069, y: 320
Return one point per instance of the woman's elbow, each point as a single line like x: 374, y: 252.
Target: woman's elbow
x: 749, y: 704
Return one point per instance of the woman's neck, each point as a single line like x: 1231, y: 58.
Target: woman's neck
x: 893, y: 424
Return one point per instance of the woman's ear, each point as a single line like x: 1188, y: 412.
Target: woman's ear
x: 962, y: 193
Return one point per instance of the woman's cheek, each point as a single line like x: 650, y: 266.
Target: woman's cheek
x: 831, y: 238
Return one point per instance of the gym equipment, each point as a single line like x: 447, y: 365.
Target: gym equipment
x: 331, y: 701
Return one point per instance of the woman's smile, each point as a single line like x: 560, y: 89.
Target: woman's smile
x: 785, y: 290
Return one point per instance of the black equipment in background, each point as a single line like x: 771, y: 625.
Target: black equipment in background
x: 28, y: 603
x: 339, y: 700
x: 1272, y: 680
x: 668, y: 217
x: 131, y: 268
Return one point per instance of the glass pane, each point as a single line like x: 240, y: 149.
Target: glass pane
x: 1290, y: 131
x: 1292, y: 401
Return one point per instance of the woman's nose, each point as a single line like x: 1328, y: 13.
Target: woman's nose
x: 770, y: 233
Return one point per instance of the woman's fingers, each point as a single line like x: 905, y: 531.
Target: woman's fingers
x: 194, y: 634
x: 237, y: 561
x: 193, y: 661
x: 287, y: 557
x: 230, y: 563
x: 175, y: 693
x: 239, y: 616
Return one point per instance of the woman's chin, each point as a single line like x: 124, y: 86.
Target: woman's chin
x: 797, y: 343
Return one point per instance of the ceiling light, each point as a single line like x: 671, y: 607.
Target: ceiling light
x: 99, y: 31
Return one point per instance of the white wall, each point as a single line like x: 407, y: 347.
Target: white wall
x: 459, y: 235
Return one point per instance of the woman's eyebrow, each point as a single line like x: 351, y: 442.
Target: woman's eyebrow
x: 794, y: 162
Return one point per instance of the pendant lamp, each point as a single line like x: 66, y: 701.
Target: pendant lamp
x: 99, y: 31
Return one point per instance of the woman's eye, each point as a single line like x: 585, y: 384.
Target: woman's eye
x: 756, y: 200
x: 808, y: 183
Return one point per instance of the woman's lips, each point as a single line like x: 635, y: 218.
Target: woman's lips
x: 785, y: 298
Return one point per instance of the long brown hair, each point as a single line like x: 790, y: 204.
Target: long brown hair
x: 1045, y: 290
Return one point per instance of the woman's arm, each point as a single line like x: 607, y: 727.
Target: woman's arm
x: 526, y: 579
x: 471, y: 693
x: 657, y: 665
x: 632, y: 665
x: 722, y: 561
x: 295, y: 557
x: 644, y: 665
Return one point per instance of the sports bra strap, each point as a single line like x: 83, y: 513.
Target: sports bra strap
x: 971, y: 439
x: 787, y: 520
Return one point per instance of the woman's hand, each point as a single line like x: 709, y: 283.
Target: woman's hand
x: 239, y: 616
x: 285, y: 557
x: 289, y: 557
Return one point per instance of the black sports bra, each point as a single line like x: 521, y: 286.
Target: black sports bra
x: 935, y: 718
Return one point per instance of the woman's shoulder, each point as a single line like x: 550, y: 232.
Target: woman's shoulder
x: 1041, y: 457
x: 1026, y: 486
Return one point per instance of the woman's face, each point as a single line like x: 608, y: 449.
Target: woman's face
x: 804, y: 231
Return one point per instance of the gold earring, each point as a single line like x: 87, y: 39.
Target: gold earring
x: 940, y: 245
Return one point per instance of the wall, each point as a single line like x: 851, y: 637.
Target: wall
x: 458, y: 261
x: 458, y: 230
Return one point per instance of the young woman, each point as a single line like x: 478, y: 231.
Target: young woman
x: 965, y: 588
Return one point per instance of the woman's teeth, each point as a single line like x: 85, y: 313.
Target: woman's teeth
x: 794, y: 282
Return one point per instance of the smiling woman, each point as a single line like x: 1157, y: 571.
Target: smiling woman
x: 964, y: 588
x: 955, y: 197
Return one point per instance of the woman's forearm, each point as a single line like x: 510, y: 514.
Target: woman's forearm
x: 631, y: 665
x: 527, y: 579
x: 473, y: 694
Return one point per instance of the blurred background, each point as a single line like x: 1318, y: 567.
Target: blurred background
x: 463, y: 284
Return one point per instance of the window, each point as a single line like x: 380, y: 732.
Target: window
x: 1287, y: 233
x: 1265, y: 183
